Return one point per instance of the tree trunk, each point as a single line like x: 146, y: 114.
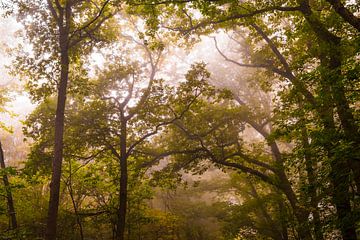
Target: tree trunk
x: 283, y: 217
x: 340, y: 165
x: 59, y: 134
x: 311, y: 184
x: 340, y: 180
x: 301, y: 214
x: 345, y: 13
x: 339, y: 173
x: 330, y: 57
x: 284, y: 185
x: 345, y: 113
x: 274, y: 230
x: 9, y: 198
x: 71, y: 193
x: 331, y: 53
x: 120, y: 231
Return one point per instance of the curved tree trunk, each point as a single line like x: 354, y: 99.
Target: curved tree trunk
x: 284, y: 185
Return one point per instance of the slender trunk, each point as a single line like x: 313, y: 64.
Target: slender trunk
x: 273, y: 231
x: 311, y: 184
x: 59, y: 134
x: 300, y: 213
x: 71, y: 193
x: 345, y: 113
x: 9, y: 198
x: 284, y: 228
x: 339, y: 174
x: 340, y: 180
x: 78, y: 220
x: 120, y: 231
x: 340, y: 167
x: 330, y: 46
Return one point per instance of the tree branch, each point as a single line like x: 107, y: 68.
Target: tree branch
x: 345, y: 13
x: 53, y: 11
x: 87, y: 25
x: 236, y: 17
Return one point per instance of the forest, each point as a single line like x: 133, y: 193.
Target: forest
x: 180, y: 119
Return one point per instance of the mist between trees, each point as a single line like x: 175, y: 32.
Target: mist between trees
x: 180, y: 119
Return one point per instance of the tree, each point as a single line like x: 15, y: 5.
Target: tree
x: 122, y: 115
x: 57, y: 36
x: 328, y: 91
x: 213, y: 132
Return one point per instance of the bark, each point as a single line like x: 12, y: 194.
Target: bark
x: 344, y: 112
x: 273, y: 230
x: 9, y: 198
x: 331, y: 51
x: 120, y: 230
x: 59, y: 128
x: 345, y: 13
x: 339, y: 172
x: 284, y: 229
x: 311, y: 184
x: 301, y: 214
x: 340, y: 181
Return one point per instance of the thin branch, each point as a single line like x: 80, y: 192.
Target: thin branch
x: 245, y: 169
x: 158, y: 157
x: 89, y: 33
x: 238, y: 166
x: 288, y: 72
x: 154, y: 65
x: 236, y: 17
x: 274, y: 49
x: 99, y: 14
x: 315, y: 23
x: 157, y: 127
x: 112, y: 149
x: 53, y: 11
x: 238, y: 63
x: 130, y: 92
x: 92, y: 214
x: 155, y: 3
x: 250, y: 160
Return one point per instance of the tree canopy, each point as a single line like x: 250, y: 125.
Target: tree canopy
x: 132, y: 137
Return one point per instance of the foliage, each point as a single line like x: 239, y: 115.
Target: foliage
x: 273, y: 121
